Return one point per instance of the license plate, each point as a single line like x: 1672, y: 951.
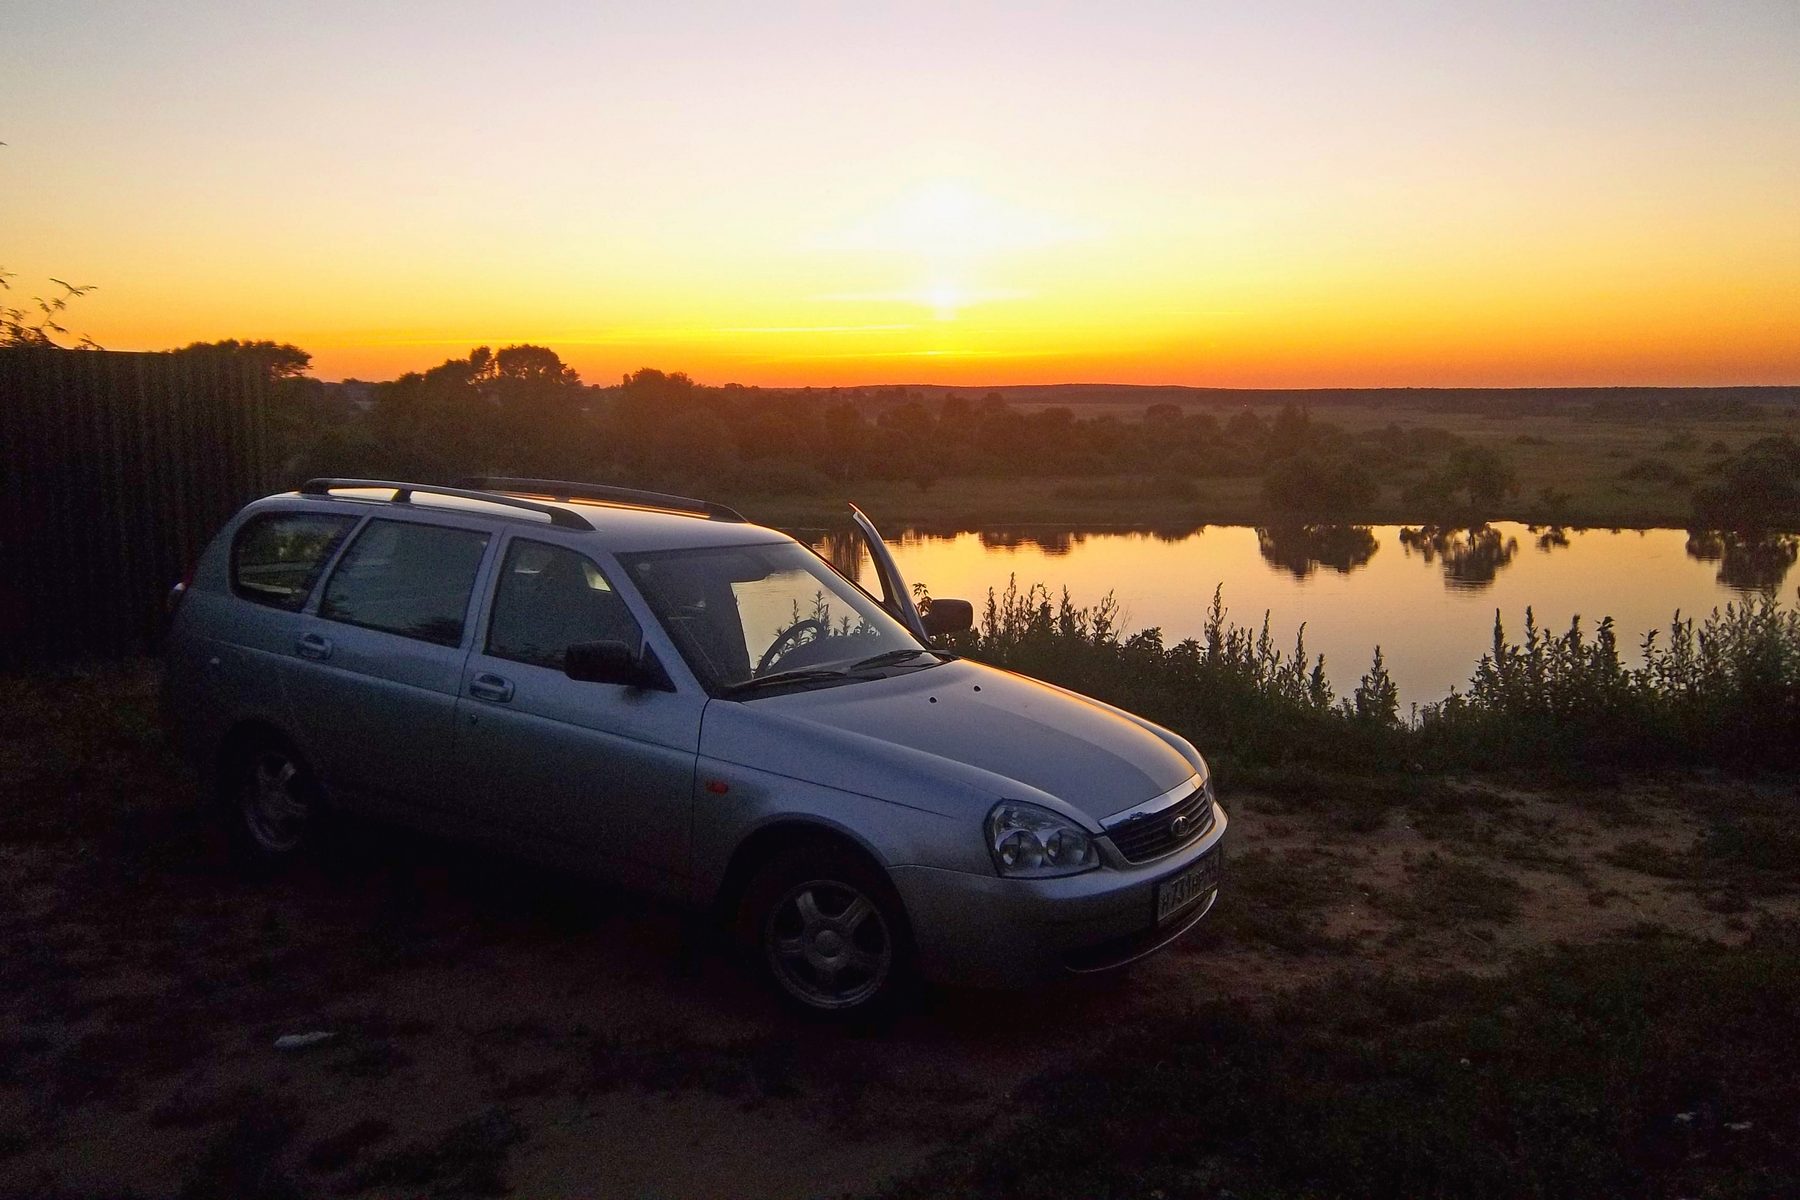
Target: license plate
x: 1176, y: 893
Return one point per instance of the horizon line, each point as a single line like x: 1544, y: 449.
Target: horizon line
x: 1186, y: 387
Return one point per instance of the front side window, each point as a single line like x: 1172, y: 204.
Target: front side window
x: 276, y: 559
x: 408, y: 579
x: 741, y: 613
x: 550, y: 598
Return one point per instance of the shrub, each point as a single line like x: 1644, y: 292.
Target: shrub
x: 1654, y: 470
x: 1757, y: 489
x: 1316, y: 486
x: 1723, y: 690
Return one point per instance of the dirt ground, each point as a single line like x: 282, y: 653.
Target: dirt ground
x: 494, y: 1029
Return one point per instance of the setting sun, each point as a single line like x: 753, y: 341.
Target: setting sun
x: 1590, y: 194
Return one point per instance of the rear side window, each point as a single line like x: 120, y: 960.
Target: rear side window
x: 408, y: 579
x: 549, y: 598
x: 276, y: 559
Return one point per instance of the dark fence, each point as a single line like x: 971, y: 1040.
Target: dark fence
x: 117, y: 468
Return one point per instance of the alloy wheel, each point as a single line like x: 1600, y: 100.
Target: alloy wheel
x: 828, y: 944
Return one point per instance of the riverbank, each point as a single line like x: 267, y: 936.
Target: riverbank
x: 1573, y: 468
x: 1127, y: 502
x: 496, y: 1028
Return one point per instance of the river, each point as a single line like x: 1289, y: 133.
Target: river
x: 1427, y: 597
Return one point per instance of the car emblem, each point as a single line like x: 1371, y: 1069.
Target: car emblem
x: 1179, y: 825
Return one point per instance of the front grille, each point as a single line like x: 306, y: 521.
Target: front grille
x: 1141, y: 839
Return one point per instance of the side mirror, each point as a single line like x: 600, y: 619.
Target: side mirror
x: 612, y: 662
x: 943, y: 616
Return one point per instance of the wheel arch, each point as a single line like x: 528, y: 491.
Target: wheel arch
x: 764, y: 842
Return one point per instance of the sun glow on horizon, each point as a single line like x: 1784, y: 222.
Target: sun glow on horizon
x: 1296, y: 196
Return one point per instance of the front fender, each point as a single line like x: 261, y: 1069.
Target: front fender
x: 732, y: 802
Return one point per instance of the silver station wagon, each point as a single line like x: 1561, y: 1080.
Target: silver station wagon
x: 656, y: 692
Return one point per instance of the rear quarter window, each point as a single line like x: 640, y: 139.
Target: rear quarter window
x: 276, y: 559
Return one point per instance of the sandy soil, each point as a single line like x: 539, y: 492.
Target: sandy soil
x: 495, y: 1029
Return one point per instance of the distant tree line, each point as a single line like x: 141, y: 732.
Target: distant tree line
x: 520, y: 410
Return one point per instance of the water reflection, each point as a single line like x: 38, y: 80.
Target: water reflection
x: 1748, y: 562
x: 843, y: 549
x: 1471, y: 557
x: 1552, y: 537
x: 1054, y: 542
x: 1433, y: 624
x: 1301, y: 549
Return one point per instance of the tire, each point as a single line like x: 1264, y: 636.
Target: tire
x: 270, y: 802
x: 829, y: 933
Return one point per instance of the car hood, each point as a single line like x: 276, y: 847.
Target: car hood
x: 993, y: 732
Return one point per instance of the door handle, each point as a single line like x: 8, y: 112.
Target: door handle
x: 313, y: 646
x: 486, y: 686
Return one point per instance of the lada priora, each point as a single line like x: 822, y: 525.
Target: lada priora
x: 656, y: 692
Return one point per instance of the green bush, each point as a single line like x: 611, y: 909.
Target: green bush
x: 1723, y: 690
x: 1759, y: 488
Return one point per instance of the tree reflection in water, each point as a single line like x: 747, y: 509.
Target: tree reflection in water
x: 1471, y: 557
x: 1748, y: 562
x: 843, y: 549
x: 1550, y: 537
x: 1301, y: 549
x: 1053, y: 542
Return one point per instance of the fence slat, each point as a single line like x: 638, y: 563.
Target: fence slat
x: 115, y: 470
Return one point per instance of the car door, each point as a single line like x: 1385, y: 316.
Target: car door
x: 373, y: 673
x: 894, y: 595
x: 229, y: 647
x: 602, y: 773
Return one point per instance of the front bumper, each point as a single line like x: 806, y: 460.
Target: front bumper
x: 985, y: 931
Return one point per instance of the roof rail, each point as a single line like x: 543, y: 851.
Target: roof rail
x: 403, y: 493
x: 563, y: 489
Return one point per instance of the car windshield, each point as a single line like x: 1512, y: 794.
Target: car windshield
x: 739, y: 614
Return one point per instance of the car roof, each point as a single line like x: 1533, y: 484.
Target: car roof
x: 618, y: 526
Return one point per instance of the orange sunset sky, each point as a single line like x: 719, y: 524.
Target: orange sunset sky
x: 1277, y: 194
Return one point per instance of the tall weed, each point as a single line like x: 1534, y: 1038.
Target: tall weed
x: 1725, y: 689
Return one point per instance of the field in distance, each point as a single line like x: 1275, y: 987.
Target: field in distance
x: 1588, y: 457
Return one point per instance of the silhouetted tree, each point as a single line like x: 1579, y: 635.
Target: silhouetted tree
x: 1758, y: 489
x: 279, y: 360
x: 40, y: 325
x: 1290, y: 432
x: 1310, y: 486
x: 1469, y: 486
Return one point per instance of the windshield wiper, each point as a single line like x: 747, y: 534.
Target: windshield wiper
x: 888, y: 657
x: 798, y: 675
x: 818, y: 674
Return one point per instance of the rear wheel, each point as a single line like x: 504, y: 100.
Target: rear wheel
x: 829, y: 932
x: 271, y: 803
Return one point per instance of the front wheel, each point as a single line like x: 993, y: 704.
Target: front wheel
x: 829, y: 932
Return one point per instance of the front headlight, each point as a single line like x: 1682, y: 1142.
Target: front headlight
x: 1029, y: 842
